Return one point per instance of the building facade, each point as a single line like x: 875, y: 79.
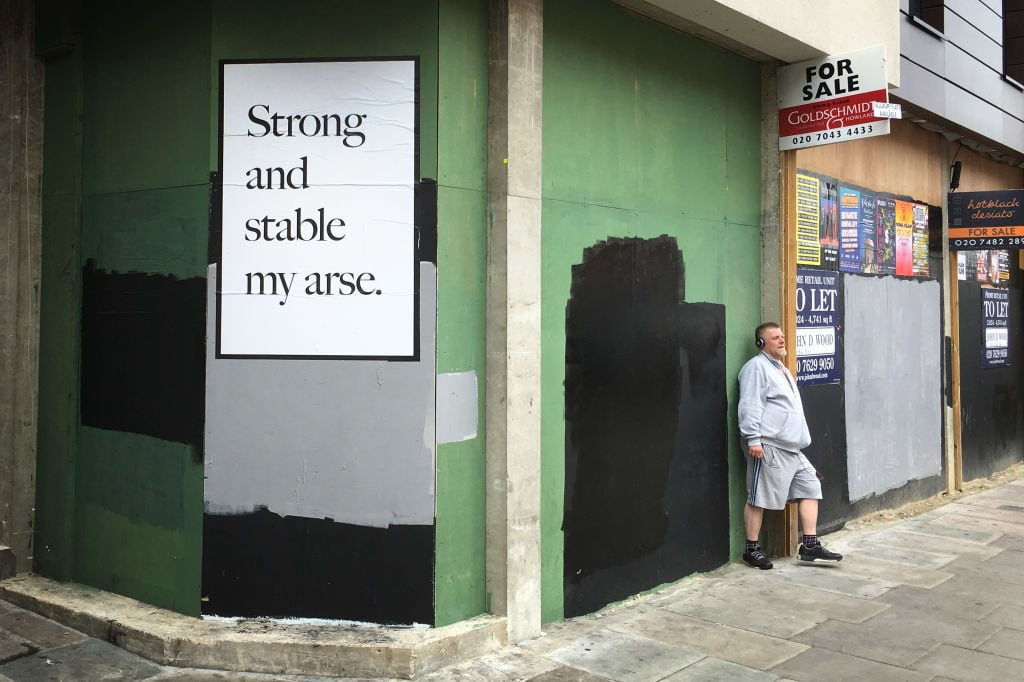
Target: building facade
x: 598, y: 217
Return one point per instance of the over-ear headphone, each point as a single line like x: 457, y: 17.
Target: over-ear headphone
x: 758, y: 341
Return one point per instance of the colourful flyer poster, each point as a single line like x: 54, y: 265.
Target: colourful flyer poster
x: 868, y: 218
x: 1004, y: 268
x: 920, y: 240
x: 885, y: 235
x: 849, y: 230
x: 808, y: 242
x: 904, y: 238
x: 986, y: 267
x: 829, y: 228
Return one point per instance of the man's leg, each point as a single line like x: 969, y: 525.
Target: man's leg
x: 810, y: 549
x: 807, y: 510
x: 752, y: 518
x: 753, y: 555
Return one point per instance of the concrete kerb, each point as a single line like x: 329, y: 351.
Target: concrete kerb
x: 254, y: 645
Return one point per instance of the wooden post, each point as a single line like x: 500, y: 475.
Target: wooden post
x: 956, y: 476
x: 780, y: 528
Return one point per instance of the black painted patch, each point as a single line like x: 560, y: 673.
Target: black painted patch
x: 263, y: 564
x: 426, y: 221
x: 646, y: 476
x: 825, y: 410
x: 991, y: 399
x: 143, y: 354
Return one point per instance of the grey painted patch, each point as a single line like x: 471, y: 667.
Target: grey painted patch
x: 347, y: 440
x: 457, y: 411
x: 893, y: 373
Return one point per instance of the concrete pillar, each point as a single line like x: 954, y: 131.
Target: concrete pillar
x: 21, y: 157
x: 513, y: 314
x: 771, y: 205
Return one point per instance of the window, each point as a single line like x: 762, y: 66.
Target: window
x: 1013, y: 40
x: 929, y: 14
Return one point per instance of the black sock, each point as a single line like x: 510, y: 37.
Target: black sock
x: 752, y: 545
x: 810, y: 541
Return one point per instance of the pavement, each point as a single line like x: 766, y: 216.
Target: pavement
x: 937, y: 596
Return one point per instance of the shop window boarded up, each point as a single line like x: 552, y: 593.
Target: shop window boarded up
x: 646, y: 494
x: 893, y: 379
x: 991, y: 398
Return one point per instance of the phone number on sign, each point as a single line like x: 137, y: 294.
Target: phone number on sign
x: 852, y: 131
x: 822, y: 364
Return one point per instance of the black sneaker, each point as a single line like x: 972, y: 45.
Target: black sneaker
x: 757, y: 559
x: 818, y: 552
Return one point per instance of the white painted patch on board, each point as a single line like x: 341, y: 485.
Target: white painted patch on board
x: 893, y: 376
x: 457, y: 407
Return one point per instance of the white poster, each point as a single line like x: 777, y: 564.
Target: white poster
x: 318, y: 164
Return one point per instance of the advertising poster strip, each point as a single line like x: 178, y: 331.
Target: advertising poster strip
x: 904, y: 238
x: 828, y: 226
x: 818, y: 357
x: 808, y: 209
x: 995, y: 325
x: 868, y: 220
x: 920, y: 240
x: 885, y: 235
x: 850, y: 239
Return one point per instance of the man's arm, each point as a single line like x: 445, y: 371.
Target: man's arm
x: 753, y: 397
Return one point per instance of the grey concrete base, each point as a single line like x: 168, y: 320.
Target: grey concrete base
x: 251, y: 645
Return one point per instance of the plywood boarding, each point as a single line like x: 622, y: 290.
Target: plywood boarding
x: 981, y: 174
x: 907, y: 162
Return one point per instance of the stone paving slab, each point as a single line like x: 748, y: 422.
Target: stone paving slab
x: 833, y: 578
x: 967, y: 666
x: 938, y: 544
x: 884, y: 548
x: 982, y: 524
x: 749, y: 649
x: 1007, y: 616
x: 987, y: 570
x: 624, y: 658
x: 874, y: 644
x: 744, y: 606
x: 893, y: 571
x: 568, y: 675
x: 41, y: 631
x: 942, y: 530
x: 940, y: 604
x: 987, y: 588
x: 711, y: 670
x: 1008, y: 558
x: 817, y: 665
x: 1004, y: 513
x: 1008, y: 643
x: 90, y: 659
x: 1010, y: 542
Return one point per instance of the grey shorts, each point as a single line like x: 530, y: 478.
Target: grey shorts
x: 780, y: 477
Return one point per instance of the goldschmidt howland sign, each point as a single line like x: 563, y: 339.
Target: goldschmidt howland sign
x: 986, y: 220
x: 834, y: 99
x: 317, y: 245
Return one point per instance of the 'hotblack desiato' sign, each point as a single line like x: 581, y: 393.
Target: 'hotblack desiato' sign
x: 986, y: 220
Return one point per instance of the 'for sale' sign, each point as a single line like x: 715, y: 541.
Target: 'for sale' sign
x: 833, y: 99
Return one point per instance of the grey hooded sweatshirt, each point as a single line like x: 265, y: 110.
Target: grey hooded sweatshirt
x: 770, y: 410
